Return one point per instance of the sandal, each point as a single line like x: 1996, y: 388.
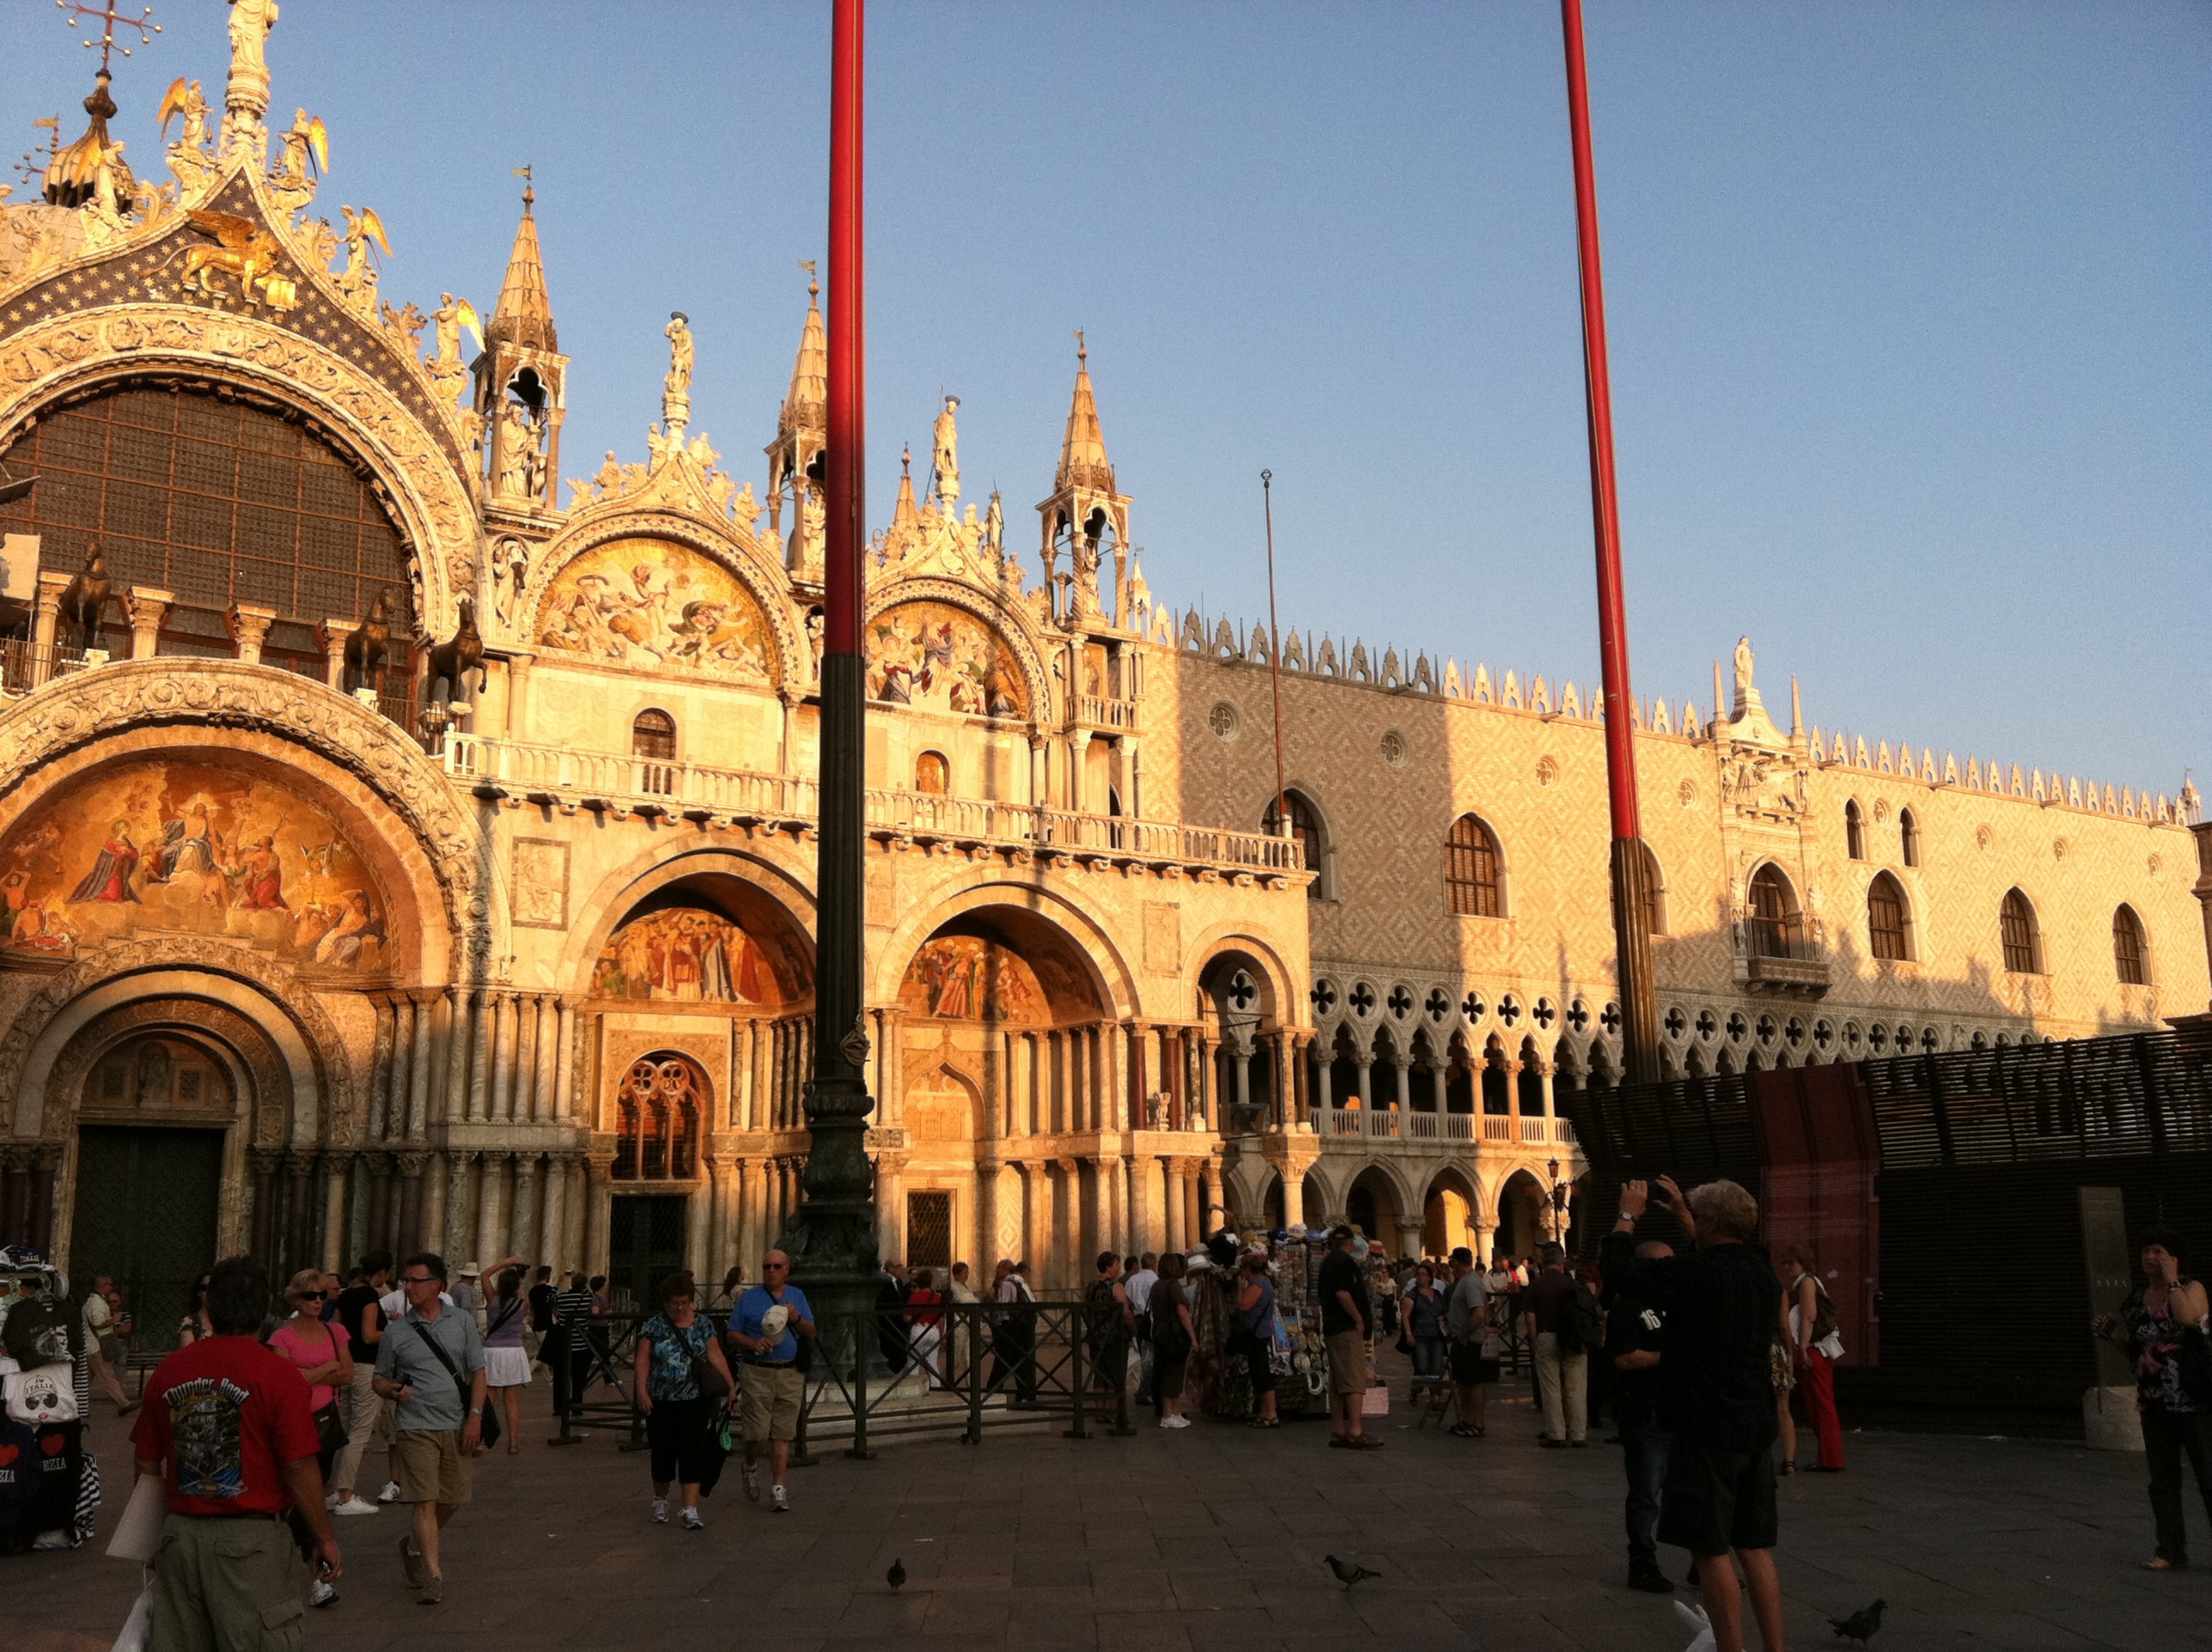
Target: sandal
x: 1789, y: 1468
x: 514, y: 1448
x: 2159, y: 1562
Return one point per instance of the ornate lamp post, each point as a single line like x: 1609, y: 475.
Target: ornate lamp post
x: 1559, y: 1196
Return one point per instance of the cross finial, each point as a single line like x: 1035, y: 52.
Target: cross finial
x: 108, y: 19
x: 529, y: 191
x: 1082, y: 352
x: 813, y: 286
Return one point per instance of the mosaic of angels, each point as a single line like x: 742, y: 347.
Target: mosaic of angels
x: 183, y: 848
x: 965, y: 977
x: 684, y: 955
x: 944, y: 659
x: 650, y: 602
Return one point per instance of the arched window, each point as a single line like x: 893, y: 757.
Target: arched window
x: 933, y: 774
x: 653, y: 738
x: 2015, y: 928
x: 1886, y: 926
x: 1305, y: 831
x: 1908, y: 836
x: 1853, y: 831
x: 2128, y: 949
x: 1775, y: 925
x: 1470, y: 870
x: 660, y: 1105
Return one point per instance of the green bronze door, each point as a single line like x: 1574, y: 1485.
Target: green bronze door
x: 145, y: 1213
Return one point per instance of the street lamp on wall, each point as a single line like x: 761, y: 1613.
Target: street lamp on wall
x: 1559, y: 1192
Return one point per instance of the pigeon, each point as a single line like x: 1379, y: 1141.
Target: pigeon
x: 897, y: 1576
x: 1861, y: 1625
x: 1348, y: 1574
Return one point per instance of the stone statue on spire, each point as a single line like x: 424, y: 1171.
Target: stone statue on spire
x: 945, y: 454
x: 246, y: 96
x: 1743, y: 674
x: 676, y: 388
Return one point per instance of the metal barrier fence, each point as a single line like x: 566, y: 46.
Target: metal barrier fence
x: 964, y: 1369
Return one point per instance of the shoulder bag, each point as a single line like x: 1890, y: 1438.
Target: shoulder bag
x: 713, y: 1386
x: 488, y: 1436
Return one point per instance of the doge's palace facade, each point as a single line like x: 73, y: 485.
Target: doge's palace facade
x: 395, y: 854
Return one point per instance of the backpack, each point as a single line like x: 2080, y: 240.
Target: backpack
x: 1581, y: 1327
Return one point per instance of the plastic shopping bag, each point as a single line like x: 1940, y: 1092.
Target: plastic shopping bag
x: 137, y: 1628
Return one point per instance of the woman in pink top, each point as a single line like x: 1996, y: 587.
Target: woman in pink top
x: 315, y: 1349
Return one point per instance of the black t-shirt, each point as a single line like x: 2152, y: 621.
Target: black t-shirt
x: 1631, y: 1328
x: 1716, y: 1381
x: 1340, y: 1272
x: 541, y: 1308
x: 351, y: 1301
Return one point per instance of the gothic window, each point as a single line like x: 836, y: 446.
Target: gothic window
x: 660, y: 1106
x: 2127, y: 946
x: 1775, y: 925
x: 221, y: 501
x: 1886, y: 923
x: 1470, y: 870
x: 933, y: 774
x: 2015, y: 925
x: 1305, y: 831
x: 1908, y: 836
x: 653, y: 740
x: 1853, y: 831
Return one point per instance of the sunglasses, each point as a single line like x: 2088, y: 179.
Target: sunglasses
x: 310, y: 1296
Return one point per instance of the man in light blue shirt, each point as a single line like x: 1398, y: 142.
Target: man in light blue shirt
x: 431, y: 1364
x: 765, y: 1329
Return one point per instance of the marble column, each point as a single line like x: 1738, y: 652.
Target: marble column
x: 500, y: 1010
x: 699, y: 1254
x: 460, y: 1228
x: 408, y: 1231
x: 421, y: 1025
x: 522, y: 1226
x: 483, y: 1029
x: 598, y: 1213
x: 454, y: 1027
x: 248, y: 624
x: 491, y: 1209
x: 147, y: 607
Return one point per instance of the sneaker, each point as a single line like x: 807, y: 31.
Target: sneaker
x: 433, y: 1591
x: 1650, y: 1579
x: 324, y: 1593
x: 330, y: 1500
x: 390, y: 1494
x: 353, y: 1505
x: 1177, y: 1421
x: 411, y: 1564
x: 660, y: 1511
x: 692, y: 1522
x: 752, y: 1482
x: 776, y: 1504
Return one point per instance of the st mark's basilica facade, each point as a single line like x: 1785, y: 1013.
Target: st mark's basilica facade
x: 396, y: 852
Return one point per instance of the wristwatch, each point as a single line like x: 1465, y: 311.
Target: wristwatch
x: 1627, y: 1218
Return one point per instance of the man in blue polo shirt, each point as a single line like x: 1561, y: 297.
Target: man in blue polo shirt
x: 765, y: 1326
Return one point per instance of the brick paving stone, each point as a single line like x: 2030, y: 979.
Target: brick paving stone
x: 1210, y: 1540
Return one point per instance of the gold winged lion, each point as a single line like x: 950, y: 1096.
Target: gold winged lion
x: 244, y: 250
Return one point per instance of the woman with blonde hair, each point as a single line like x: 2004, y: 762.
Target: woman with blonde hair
x: 322, y: 1356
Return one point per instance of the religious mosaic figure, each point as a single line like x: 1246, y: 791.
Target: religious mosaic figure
x: 943, y: 658
x: 965, y: 977
x: 652, y: 603
x: 683, y: 956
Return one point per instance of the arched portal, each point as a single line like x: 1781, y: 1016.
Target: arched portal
x: 1524, y: 1219
x: 1447, y: 1215
x: 1371, y: 1206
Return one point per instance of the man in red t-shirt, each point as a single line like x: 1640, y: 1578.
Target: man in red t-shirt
x: 226, y: 1427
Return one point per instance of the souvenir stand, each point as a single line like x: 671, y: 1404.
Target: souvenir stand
x: 1299, y: 1357
x: 50, y: 1484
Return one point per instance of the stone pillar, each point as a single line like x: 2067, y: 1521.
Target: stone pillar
x: 1546, y: 1072
x: 1486, y: 1234
x: 248, y: 625
x: 456, y: 1019
x: 491, y: 1209
x: 1409, y: 1231
x: 1131, y: 797
x: 483, y: 1027
x: 522, y: 1224
x: 598, y: 1213
x: 460, y: 1231
x: 564, y: 1060
x: 334, y: 635
x: 338, y: 1173
x: 1405, y: 1064
x: 553, y: 1235
x: 1078, y: 772
x: 46, y: 624
x: 787, y: 759
x: 518, y: 695
x: 1436, y: 1085
x: 501, y: 1015
x: 147, y: 607
x: 1193, y: 1204
x: 1364, y: 1060
x: 408, y: 1235
x: 1240, y: 1075
x: 699, y: 1225
x: 1216, y: 1206
x: 1039, y: 793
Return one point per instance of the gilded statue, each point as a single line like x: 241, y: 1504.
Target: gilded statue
x: 945, y: 452
x: 306, y: 145
x: 185, y: 98
x: 995, y: 528
x: 357, y: 280
x: 447, y: 320
x: 243, y: 250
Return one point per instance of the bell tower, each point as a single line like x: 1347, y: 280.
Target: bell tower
x: 521, y: 383
x: 798, y: 454
x: 1084, y: 514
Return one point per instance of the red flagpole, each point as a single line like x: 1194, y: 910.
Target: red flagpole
x: 1630, y: 874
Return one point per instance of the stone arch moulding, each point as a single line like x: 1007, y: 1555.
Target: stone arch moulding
x: 1284, y: 987
x: 248, y: 1054
x: 721, y: 544
x: 1110, y: 974
x: 617, y: 894
x: 1403, y: 1189
x: 137, y: 707
x: 326, y: 1100
x: 431, y: 502
x: 1482, y: 1205
x: 1013, y: 628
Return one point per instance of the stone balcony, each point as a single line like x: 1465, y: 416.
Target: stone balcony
x: 1428, y: 1131
x: 621, y: 784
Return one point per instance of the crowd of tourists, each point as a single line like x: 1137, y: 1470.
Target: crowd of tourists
x: 276, y: 1400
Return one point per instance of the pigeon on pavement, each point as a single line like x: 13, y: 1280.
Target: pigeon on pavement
x: 1861, y: 1625
x: 1348, y: 1574
x: 897, y: 1576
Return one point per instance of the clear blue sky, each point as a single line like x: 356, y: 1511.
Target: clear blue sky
x: 1909, y: 302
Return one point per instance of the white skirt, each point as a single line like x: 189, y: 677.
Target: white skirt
x: 506, y: 1368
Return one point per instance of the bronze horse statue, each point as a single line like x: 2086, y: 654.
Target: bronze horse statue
x: 451, y: 662
x: 366, y: 648
x: 84, y: 599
